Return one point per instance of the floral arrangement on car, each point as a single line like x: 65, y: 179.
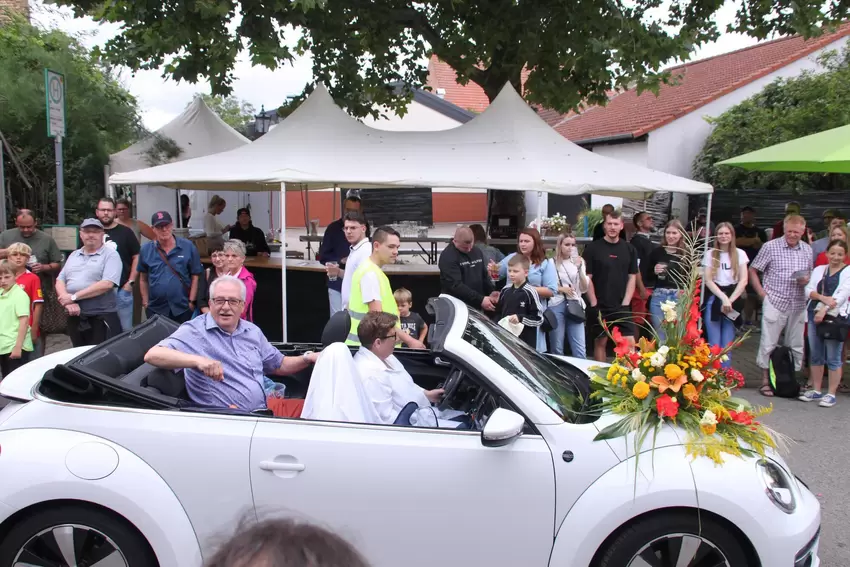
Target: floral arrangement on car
x: 681, y: 380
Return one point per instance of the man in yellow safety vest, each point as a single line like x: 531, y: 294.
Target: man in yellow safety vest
x: 370, y: 287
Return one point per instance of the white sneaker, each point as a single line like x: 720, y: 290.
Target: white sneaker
x: 811, y: 396
x: 828, y: 401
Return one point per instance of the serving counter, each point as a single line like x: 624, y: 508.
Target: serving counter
x: 307, y: 305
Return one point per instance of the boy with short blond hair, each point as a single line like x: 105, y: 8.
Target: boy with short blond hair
x: 519, y: 300
x: 411, y: 323
x: 19, y: 255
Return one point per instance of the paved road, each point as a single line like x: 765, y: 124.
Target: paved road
x: 820, y: 457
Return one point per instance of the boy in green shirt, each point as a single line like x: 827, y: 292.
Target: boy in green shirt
x: 15, y: 340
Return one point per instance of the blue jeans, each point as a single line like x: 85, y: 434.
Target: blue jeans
x: 718, y: 333
x: 821, y: 352
x: 335, y: 300
x: 659, y: 296
x: 125, y: 309
x: 573, y: 331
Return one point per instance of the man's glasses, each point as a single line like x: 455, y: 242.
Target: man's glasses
x: 219, y: 301
x: 394, y: 336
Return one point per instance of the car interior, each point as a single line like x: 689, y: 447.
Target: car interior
x: 114, y: 373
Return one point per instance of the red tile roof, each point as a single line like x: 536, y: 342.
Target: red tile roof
x: 469, y: 97
x: 699, y: 83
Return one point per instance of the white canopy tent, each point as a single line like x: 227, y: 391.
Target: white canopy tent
x: 507, y: 147
x: 198, y: 132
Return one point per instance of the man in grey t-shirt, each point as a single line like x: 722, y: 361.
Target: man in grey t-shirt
x: 86, y: 288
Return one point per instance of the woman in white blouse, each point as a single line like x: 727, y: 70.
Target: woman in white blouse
x: 572, y: 284
x: 726, y: 280
x: 214, y: 229
x: 827, y: 290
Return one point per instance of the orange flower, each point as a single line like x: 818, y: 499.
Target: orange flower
x: 640, y: 390
x: 663, y: 383
x: 690, y: 393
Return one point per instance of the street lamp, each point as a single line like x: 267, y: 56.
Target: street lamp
x: 262, y: 122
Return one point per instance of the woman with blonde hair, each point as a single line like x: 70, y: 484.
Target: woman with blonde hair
x: 726, y: 278
x: 665, y: 266
x: 571, y: 274
x: 214, y: 229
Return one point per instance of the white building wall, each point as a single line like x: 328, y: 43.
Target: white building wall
x: 674, y: 146
x: 418, y: 118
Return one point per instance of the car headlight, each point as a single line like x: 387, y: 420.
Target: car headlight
x: 778, y: 485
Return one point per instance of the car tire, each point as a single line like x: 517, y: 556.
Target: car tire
x: 87, y: 535
x: 662, y: 538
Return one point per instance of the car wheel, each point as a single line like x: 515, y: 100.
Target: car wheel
x: 70, y: 536
x: 675, y: 539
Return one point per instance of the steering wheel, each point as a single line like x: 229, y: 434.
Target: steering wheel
x: 450, y: 387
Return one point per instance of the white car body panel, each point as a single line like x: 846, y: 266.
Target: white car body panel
x: 202, y: 457
x: 397, y: 492
x: 133, y: 490
x: 403, y: 496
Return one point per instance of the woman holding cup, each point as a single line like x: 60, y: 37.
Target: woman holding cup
x: 572, y: 278
x: 665, y: 266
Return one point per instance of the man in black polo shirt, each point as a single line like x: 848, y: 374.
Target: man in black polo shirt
x: 612, y: 269
x: 253, y: 237
x: 750, y: 238
x: 643, y: 247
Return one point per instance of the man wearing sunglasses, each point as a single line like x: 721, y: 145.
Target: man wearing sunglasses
x: 225, y: 358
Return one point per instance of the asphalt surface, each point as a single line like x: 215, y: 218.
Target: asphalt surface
x: 820, y: 457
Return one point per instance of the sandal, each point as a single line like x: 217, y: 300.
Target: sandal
x: 766, y: 391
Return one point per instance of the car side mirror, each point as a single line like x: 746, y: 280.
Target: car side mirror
x: 502, y: 428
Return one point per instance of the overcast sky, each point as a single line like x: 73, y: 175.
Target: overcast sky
x: 162, y: 100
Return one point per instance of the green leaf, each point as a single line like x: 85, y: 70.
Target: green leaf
x: 619, y: 429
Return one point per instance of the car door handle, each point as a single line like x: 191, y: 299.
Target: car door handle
x: 278, y: 466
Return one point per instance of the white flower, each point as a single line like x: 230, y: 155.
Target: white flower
x: 657, y: 360
x: 724, y: 358
x: 708, y: 418
x: 638, y: 375
x: 663, y: 350
x: 669, y: 310
x: 697, y: 376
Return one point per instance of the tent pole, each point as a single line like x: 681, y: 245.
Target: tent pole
x: 306, y: 195
x: 179, y: 219
x: 283, y: 260
x: 335, y: 201
x: 705, y: 245
x: 539, y: 206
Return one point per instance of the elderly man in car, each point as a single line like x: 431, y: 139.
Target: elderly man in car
x: 225, y: 357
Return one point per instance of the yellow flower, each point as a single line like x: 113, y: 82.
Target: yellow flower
x: 672, y: 372
x: 708, y: 429
x: 640, y: 390
x: 690, y: 393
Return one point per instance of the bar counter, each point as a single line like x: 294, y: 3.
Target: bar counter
x: 307, y: 294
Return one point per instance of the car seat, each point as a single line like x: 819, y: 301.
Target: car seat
x: 406, y: 413
x: 336, y: 329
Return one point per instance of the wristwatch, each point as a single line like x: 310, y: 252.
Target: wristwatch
x: 74, y: 297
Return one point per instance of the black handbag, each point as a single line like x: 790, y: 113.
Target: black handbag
x: 550, y: 322
x: 574, y: 311
x: 832, y: 328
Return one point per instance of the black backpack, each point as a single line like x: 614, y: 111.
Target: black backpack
x: 783, y: 381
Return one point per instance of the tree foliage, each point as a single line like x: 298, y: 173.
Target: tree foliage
x: 786, y: 109
x: 236, y: 113
x: 575, y: 51
x: 101, y: 118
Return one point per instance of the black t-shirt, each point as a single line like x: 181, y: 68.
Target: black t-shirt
x: 610, y: 265
x: 253, y: 237
x: 124, y: 240
x: 412, y: 324
x: 742, y: 231
x: 675, y: 274
x: 644, y: 247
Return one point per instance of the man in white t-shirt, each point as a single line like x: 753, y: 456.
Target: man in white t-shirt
x: 354, y: 227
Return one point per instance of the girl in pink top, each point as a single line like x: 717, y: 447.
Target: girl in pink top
x: 234, y: 259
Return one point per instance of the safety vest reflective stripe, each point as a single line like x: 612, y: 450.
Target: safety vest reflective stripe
x: 357, y: 309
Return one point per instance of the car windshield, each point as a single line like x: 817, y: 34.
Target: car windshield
x: 558, y: 384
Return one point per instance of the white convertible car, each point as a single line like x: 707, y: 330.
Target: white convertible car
x: 105, y: 463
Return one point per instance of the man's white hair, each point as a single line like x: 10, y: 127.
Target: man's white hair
x: 228, y: 279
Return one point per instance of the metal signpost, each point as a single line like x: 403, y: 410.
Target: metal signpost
x: 54, y: 94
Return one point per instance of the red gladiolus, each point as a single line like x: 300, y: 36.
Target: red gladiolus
x: 667, y: 406
x: 634, y: 358
x: 716, y: 350
x: 623, y: 346
x: 742, y: 417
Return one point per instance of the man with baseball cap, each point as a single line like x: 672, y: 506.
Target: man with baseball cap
x: 86, y: 288
x: 169, y: 268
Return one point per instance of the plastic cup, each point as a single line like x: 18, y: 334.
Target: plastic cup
x: 333, y: 265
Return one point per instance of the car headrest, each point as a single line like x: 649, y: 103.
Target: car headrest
x: 336, y: 329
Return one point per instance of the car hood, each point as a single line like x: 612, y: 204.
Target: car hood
x: 18, y: 385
